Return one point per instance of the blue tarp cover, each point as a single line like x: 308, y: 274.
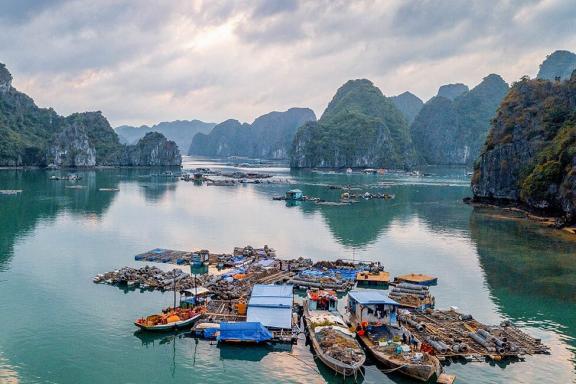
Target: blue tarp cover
x: 244, y: 331
x: 271, y: 305
x: 369, y: 297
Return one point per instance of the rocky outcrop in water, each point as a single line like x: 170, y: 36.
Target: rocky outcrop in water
x: 452, y: 132
x: 33, y: 136
x: 268, y: 137
x: 530, y: 154
x: 152, y: 150
x: 359, y: 128
x: 560, y: 64
x: 409, y: 104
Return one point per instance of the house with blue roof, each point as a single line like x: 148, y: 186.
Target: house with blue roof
x: 372, y: 307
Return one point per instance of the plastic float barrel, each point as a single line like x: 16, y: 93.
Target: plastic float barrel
x: 241, y: 308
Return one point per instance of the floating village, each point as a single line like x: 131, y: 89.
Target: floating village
x: 348, y: 311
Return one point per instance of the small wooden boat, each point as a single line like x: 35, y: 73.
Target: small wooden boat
x: 399, y: 357
x: 170, y: 319
x: 334, y: 344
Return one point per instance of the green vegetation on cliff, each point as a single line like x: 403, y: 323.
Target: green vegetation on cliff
x: 452, y: 127
x: 530, y: 154
x: 33, y: 136
x: 359, y: 128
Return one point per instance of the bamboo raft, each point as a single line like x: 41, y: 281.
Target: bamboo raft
x: 452, y: 335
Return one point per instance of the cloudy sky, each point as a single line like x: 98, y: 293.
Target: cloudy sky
x: 144, y: 61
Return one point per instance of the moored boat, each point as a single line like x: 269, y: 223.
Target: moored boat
x: 375, y: 318
x: 170, y: 319
x: 334, y: 344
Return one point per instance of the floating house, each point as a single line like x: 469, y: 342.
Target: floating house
x: 271, y: 305
x: 379, y: 279
x: 294, y: 195
x: 372, y: 307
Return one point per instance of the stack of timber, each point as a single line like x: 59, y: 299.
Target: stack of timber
x: 412, y: 296
x: 449, y: 334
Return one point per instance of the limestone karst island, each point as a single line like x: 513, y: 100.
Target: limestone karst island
x: 287, y: 191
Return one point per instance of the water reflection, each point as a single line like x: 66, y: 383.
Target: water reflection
x: 531, y: 272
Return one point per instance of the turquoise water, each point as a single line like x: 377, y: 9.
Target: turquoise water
x: 59, y: 327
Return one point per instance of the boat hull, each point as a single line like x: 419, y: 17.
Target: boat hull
x: 422, y: 372
x: 171, y: 326
x: 335, y: 365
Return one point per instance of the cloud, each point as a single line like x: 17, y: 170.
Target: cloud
x: 149, y: 61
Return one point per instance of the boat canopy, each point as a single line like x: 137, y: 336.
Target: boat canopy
x: 244, y: 331
x: 271, y: 305
x: 371, y: 297
x: 197, y: 291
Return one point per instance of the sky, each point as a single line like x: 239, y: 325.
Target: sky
x: 146, y: 61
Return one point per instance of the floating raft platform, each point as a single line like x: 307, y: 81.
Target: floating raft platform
x: 417, y: 278
x: 10, y: 191
x: 452, y: 335
x: 161, y: 255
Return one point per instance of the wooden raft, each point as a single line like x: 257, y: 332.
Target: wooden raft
x: 453, y: 328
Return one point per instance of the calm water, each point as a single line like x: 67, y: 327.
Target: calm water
x: 59, y: 327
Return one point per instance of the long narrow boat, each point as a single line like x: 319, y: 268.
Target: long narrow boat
x: 334, y: 344
x: 374, y: 315
x: 170, y: 319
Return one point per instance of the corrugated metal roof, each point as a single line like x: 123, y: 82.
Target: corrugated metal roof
x: 271, y: 305
x: 371, y: 297
x: 271, y: 290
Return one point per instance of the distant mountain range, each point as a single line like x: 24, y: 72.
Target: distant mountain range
x: 179, y: 131
x: 559, y: 64
x: 451, y: 127
x: 268, y: 137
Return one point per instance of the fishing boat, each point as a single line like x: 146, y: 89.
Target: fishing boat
x: 375, y: 317
x: 170, y: 319
x: 334, y: 344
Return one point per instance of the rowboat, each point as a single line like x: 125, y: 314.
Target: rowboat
x: 333, y: 343
x: 170, y: 319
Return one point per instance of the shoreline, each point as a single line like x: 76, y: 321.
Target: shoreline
x: 513, y: 211
x: 96, y: 167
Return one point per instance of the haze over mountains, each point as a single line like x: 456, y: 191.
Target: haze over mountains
x: 179, y: 131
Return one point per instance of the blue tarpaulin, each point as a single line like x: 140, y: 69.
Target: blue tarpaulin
x: 244, y: 331
x: 271, y: 305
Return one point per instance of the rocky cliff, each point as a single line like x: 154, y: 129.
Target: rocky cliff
x: 452, y: 91
x: 33, y: 136
x: 530, y: 154
x: 409, y: 104
x: 151, y: 150
x: 359, y: 128
x: 179, y: 131
x: 560, y: 64
x: 268, y: 137
x: 452, y: 132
